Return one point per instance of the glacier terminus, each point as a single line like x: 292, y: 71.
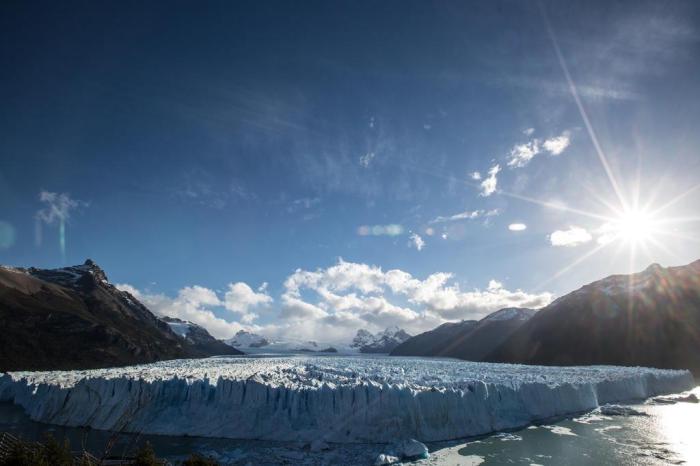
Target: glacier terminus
x: 333, y: 398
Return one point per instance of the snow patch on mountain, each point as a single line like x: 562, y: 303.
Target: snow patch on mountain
x: 509, y: 313
x: 335, y: 399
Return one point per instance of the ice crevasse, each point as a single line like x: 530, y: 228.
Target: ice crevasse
x: 338, y: 399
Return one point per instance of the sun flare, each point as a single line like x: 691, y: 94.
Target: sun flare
x: 633, y: 226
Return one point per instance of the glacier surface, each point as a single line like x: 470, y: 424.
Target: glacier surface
x: 335, y: 399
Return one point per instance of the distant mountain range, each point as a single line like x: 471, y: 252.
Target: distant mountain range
x: 364, y: 342
x: 253, y: 343
x: 470, y: 339
x: 651, y: 318
x: 244, y: 339
x: 382, y: 342
x: 73, y: 318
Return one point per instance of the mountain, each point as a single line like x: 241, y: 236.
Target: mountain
x: 244, y: 339
x: 73, y: 318
x: 382, y: 342
x: 432, y: 342
x: 470, y: 340
x: 198, y: 338
x: 651, y: 318
x: 254, y: 343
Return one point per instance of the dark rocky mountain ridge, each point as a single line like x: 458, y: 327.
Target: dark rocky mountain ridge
x: 198, y: 338
x: 470, y: 340
x: 651, y: 318
x: 73, y: 318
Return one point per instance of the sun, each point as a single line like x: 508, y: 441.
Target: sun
x: 633, y: 226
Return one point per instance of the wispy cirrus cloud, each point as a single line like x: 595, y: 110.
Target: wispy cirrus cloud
x: 416, y: 241
x: 366, y: 159
x: 490, y: 183
x: 57, y: 207
x: 522, y: 154
x: 466, y: 215
x: 57, y: 210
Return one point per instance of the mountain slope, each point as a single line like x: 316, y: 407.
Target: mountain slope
x: 651, y: 318
x: 198, y: 338
x: 73, y: 318
x: 433, y: 342
x: 488, y: 334
x: 471, y: 340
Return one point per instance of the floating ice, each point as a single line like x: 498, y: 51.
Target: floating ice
x: 334, y: 399
x: 669, y: 400
x: 561, y: 430
x: 620, y: 410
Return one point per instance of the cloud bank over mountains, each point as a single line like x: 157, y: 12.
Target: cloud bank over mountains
x: 331, y: 304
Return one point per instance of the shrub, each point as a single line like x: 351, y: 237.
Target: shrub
x: 50, y: 453
x: 146, y: 456
x: 198, y: 460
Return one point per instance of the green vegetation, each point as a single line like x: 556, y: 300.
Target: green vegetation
x: 51, y: 452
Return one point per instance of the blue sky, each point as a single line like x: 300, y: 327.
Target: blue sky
x: 229, y: 145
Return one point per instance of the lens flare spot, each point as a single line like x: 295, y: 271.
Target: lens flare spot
x: 7, y: 235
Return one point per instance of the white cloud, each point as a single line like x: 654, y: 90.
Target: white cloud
x: 488, y: 186
x: 366, y: 159
x: 192, y: 303
x: 517, y: 227
x: 241, y: 299
x: 196, y: 303
x: 348, y: 296
x: 476, y: 176
x: 528, y: 131
x: 331, y: 304
x: 571, y: 237
x: 466, y: 215
x: 58, y: 207
x: 303, y: 203
x: 558, y: 144
x: 416, y: 242
x: 521, y: 154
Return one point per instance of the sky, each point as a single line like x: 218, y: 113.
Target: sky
x: 306, y: 169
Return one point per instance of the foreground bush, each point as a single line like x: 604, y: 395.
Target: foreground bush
x: 51, y: 452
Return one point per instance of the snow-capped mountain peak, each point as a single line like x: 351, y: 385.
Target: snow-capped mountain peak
x: 382, y: 342
x: 244, y: 339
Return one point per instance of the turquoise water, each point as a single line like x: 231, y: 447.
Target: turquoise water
x: 666, y: 434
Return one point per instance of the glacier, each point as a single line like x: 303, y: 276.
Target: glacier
x: 335, y: 399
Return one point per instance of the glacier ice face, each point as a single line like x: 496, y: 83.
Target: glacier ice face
x: 336, y: 399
